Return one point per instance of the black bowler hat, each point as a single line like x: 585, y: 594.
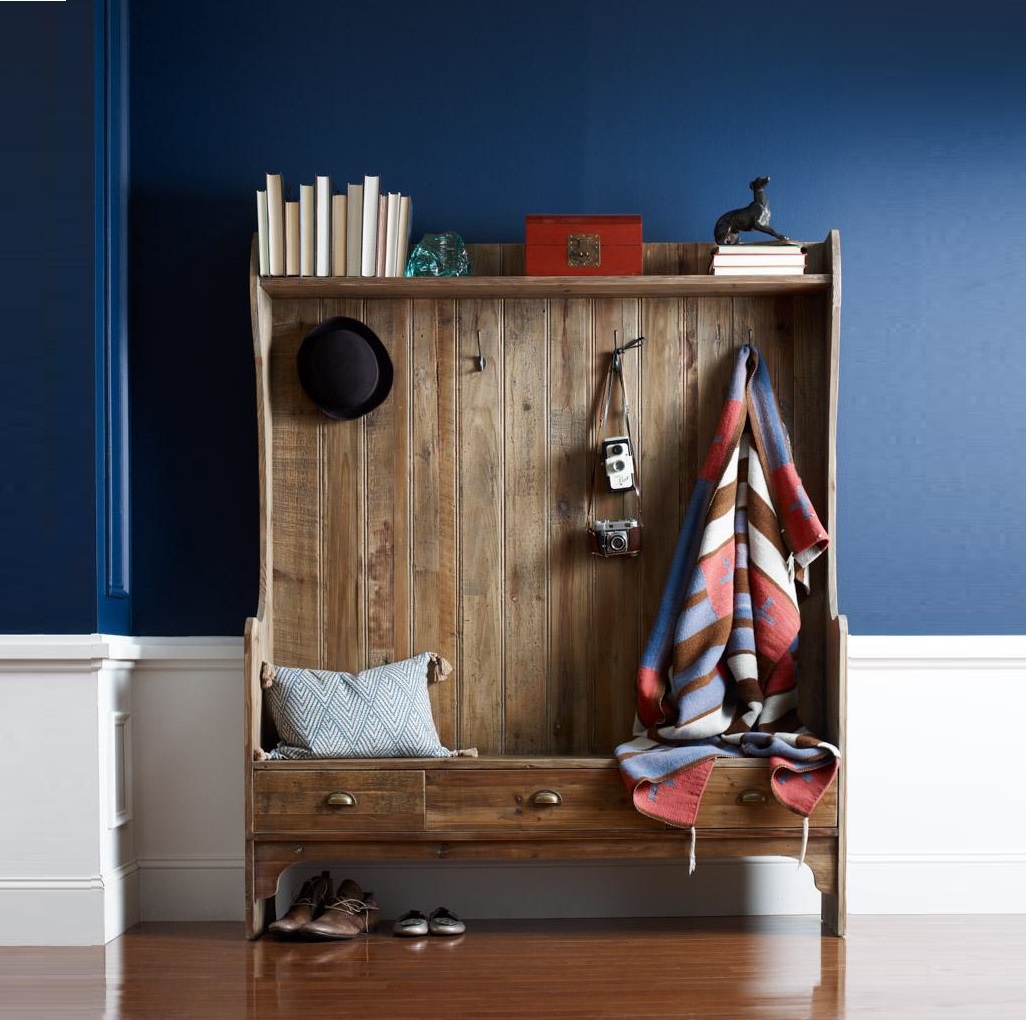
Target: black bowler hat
x: 344, y: 368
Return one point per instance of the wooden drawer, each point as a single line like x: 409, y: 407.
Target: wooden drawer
x: 507, y: 800
x: 549, y: 800
x: 325, y: 800
x: 739, y: 796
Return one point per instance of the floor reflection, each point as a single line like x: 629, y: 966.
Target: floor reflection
x: 712, y: 969
x: 717, y: 968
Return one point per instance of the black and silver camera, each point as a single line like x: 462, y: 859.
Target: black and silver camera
x: 618, y: 456
x: 615, y: 538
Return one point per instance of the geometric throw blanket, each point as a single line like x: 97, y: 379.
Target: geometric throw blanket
x: 719, y: 674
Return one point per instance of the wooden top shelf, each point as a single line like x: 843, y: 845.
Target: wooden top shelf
x: 671, y: 269
x: 340, y: 287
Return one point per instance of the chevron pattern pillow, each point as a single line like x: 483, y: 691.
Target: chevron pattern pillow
x: 382, y: 712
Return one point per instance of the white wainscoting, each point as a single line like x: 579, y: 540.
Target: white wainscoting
x: 935, y: 821
x: 68, y: 870
x: 935, y: 797
x: 189, y: 780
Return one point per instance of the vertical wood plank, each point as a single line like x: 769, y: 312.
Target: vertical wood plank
x: 811, y: 439
x: 768, y: 324
x: 343, y: 625
x: 690, y: 454
x: 677, y: 258
x: 713, y: 363
x: 616, y: 580
x: 387, y: 494
x: 570, y: 466
x: 664, y: 411
x: 296, y: 493
x: 526, y: 527
x: 835, y: 695
x: 695, y: 257
x: 661, y: 259
x: 481, y: 526
x: 434, y: 497
x: 831, y: 331
x: 485, y: 259
x: 261, y: 317
x: 512, y: 260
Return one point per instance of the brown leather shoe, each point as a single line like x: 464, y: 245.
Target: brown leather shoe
x: 305, y: 907
x: 350, y: 914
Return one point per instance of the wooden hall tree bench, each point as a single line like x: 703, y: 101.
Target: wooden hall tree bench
x: 451, y: 519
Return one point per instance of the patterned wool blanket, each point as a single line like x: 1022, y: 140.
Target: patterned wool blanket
x: 719, y: 674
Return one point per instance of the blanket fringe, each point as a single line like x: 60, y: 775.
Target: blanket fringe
x: 805, y: 840
x: 692, y: 859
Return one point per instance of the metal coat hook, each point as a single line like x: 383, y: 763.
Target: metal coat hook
x: 619, y: 351
x: 481, y: 361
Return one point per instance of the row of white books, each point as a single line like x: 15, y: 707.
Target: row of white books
x: 362, y: 232
x: 757, y: 260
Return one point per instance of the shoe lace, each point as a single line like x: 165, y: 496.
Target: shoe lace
x: 351, y: 906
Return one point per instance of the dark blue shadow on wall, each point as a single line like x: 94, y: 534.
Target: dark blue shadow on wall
x: 195, y: 553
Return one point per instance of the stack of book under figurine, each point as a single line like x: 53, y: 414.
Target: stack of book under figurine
x: 780, y: 259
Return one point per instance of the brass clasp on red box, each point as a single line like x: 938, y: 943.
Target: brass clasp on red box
x: 583, y: 246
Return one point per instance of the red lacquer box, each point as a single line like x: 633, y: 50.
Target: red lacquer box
x: 583, y: 246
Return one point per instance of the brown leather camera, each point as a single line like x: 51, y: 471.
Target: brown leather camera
x: 614, y: 538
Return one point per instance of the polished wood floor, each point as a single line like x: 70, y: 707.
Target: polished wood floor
x: 742, y: 969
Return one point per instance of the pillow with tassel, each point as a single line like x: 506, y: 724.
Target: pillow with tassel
x: 383, y: 712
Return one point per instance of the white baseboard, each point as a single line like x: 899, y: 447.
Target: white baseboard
x: 85, y: 911
x: 191, y: 889
x: 937, y: 884
x: 120, y: 900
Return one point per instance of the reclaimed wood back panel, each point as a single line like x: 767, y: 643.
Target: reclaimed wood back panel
x: 452, y: 518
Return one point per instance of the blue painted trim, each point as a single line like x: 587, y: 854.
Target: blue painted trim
x: 111, y: 382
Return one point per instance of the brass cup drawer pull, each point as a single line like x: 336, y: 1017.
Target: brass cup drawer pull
x: 752, y: 797
x: 341, y: 800
x: 546, y: 798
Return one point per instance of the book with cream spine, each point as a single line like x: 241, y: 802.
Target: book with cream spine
x: 405, y: 214
x: 354, y: 238
x: 371, y: 190
x: 306, y: 230
x: 292, y: 239
x: 262, y: 248
x: 339, y: 228
x: 275, y: 225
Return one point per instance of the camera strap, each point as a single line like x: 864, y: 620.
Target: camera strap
x: 614, y: 376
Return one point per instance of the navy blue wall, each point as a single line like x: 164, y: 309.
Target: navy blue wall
x: 900, y: 124
x: 47, y: 435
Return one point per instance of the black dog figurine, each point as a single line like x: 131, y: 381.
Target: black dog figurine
x: 754, y: 216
